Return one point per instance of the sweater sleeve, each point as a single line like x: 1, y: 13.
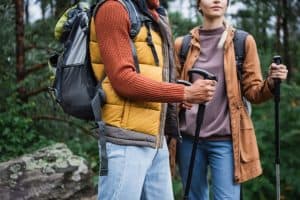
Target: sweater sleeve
x: 254, y: 87
x: 112, y: 30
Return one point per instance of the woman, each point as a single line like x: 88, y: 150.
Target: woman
x: 227, y: 146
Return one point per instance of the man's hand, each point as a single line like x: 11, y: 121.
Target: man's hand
x: 199, y: 92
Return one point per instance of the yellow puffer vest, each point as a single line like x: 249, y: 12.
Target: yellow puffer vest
x: 140, y: 117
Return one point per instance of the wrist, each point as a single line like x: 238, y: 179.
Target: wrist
x: 186, y: 93
x: 270, y: 83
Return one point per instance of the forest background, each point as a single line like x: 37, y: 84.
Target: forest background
x: 29, y: 119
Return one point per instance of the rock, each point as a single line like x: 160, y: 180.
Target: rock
x: 51, y: 173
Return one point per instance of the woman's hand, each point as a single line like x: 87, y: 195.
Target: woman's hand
x: 186, y: 105
x: 277, y: 72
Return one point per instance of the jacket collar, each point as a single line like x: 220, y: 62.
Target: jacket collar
x: 196, y: 37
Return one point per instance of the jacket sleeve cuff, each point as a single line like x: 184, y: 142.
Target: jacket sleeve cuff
x: 268, y: 89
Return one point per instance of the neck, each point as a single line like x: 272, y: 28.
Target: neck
x: 212, y: 23
x: 153, y: 4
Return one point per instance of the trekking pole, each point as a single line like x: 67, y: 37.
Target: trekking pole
x: 199, y: 120
x: 277, y: 60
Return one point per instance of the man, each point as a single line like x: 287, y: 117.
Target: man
x: 136, y: 113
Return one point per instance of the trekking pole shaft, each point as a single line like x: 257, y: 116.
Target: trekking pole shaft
x: 277, y: 126
x: 200, y: 114
x: 278, y: 181
x: 277, y: 60
x: 277, y: 148
x: 199, y: 121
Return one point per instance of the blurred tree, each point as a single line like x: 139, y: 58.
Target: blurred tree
x: 272, y: 22
x: 20, y: 51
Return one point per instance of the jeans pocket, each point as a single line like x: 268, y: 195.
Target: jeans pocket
x: 115, y: 150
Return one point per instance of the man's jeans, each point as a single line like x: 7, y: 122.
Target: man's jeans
x: 218, y: 156
x: 136, y: 173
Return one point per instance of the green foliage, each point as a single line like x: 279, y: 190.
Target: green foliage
x: 177, y: 186
x: 260, y: 19
x: 181, y: 26
x: 263, y: 117
x: 23, y: 125
x: 23, y: 128
x: 263, y: 187
x: 18, y: 135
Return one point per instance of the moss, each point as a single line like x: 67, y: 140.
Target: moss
x: 57, y: 158
x: 50, y: 160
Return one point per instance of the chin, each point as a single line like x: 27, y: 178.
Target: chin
x: 215, y: 16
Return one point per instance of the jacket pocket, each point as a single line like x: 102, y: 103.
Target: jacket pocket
x: 248, y: 144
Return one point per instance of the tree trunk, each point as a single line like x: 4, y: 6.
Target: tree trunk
x: 60, y: 7
x: 27, y: 11
x: 50, y: 173
x: 43, y: 8
x: 20, y: 53
x: 52, y: 8
x: 286, y: 46
x: 278, y: 26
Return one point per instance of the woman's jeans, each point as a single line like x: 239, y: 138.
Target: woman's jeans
x: 136, y: 173
x: 218, y: 155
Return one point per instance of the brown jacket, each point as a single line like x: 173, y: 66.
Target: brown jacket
x: 256, y: 90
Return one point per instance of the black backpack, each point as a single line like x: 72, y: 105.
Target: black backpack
x: 75, y: 87
x: 239, y: 48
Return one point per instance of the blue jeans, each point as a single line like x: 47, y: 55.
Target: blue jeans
x: 136, y: 173
x: 216, y: 156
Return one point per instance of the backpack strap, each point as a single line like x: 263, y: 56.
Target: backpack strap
x: 239, y: 41
x: 184, y: 49
x: 239, y: 49
x: 97, y: 103
x: 135, y: 20
x: 135, y: 25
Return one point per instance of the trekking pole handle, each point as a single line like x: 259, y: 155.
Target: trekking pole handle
x: 183, y: 82
x: 205, y: 74
x: 199, y: 119
x: 277, y: 60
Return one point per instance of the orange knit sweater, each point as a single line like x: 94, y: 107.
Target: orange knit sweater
x: 112, y: 30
